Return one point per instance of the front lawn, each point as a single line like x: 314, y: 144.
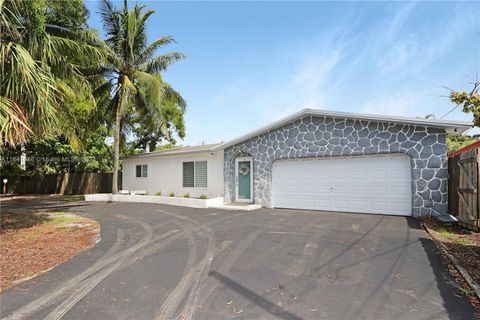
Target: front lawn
x: 35, y: 241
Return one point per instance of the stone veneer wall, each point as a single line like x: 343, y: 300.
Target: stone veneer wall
x: 313, y: 136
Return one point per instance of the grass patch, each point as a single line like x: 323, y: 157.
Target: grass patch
x: 68, y: 198
x: 16, y: 219
x: 444, y: 233
x: 62, y: 219
x: 13, y: 219
x: 453, y: 237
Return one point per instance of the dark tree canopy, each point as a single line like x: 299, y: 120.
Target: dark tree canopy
x: 67, y: 13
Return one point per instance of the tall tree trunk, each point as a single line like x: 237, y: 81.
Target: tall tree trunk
x: 118, y: 119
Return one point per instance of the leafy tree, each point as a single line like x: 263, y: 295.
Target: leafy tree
x: 470, y: 101
x: 71, y: 14
x: 149, y: 134
x: 56, y: 155
x: 40, y: 62
x: 133, y: 71
x: 457, y: 141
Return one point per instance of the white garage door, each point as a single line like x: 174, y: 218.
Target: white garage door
x: 370, y: 184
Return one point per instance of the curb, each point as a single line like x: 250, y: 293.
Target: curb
x: 475, y: 287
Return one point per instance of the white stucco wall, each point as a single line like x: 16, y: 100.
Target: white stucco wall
x: 165, y: 174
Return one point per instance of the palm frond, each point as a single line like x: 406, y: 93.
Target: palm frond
x: 161, y: 63
x: 111, y: 18
x: 126, y: 91
x: 151, y: 88
x: 154, y: 46
x: 14, y: 127
x: 29, y: 86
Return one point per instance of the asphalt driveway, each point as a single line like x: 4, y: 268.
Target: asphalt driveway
x: 162, y: 262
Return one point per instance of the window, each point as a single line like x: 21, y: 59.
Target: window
x: 201, y: 174
x: 188, y: 174
x: 195, y: 174
x: 141, y: 171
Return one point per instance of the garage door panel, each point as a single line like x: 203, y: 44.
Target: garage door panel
x: 377, y: 191
x: 380, y: 206
x: 308, y: 204
x: 292, y: 189
x: 323, y: 182
x: 373, y: 184
x: 361, y: 174
x: 397, y: 174
x: 377, y: 174
x: 359, y: 190
x: 359, y: 206
x: 340, y: 205
x: 308, y: 189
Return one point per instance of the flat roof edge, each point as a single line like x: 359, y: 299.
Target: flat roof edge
x: 172, y: 153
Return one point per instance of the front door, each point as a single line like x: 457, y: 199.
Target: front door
x: 244, y: 181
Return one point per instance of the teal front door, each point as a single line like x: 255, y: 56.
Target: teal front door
x: 244, y: 179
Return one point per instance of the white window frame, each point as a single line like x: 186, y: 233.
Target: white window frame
x: 195, y: 174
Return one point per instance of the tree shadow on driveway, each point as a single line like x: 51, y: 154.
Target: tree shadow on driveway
x: 257, y: 299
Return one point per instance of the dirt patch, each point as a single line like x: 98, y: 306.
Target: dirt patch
x: 35, y: 241
x: 41, y: 197
x: 464, y: 246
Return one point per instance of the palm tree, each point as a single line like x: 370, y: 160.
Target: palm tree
x: 38, y: 61
x: 133, y: 79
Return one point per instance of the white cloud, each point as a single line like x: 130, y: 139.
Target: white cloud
x: 397, y: 104
x: 400, y: 55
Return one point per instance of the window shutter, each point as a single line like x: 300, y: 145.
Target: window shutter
x: 188, y: 174
x: 139, y: 171
x: 201, y: 174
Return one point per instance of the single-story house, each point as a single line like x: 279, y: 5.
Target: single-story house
x: 313, y: 160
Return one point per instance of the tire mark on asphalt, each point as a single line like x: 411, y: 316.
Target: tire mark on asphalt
x: 208, y: 287
x: 51, y: 298
x: 261, y: 257
x: 303, y: 265
x: 192, y: 253
x: 89, y: 284
x: 200, y: 270
x: 299, y: 264
x: 153, y: 248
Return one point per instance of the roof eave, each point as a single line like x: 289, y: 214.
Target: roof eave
x: 161, y: 154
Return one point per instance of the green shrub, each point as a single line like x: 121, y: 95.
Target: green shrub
x: 186, y: 195
x: 203, y: 197
x: 171, y: 194
x: 158, y: 193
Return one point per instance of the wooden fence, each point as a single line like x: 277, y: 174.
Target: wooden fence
x: 463, y: 188
x: 63, y: 183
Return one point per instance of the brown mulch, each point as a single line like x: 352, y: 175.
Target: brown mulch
x: 464, y: 246
x: 34, y: 242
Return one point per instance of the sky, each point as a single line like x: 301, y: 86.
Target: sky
x: 251, y: 63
